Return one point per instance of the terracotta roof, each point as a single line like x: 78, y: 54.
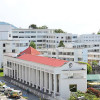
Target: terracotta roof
x: 43, y: 60
x: 31, y: 51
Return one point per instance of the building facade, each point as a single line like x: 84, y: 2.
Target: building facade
x: 57, y: 78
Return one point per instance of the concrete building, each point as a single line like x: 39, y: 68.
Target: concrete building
x: 10, y: 46
x: 43, y: 38
x: 7, y: 45
x: 89, y: 38
x: 57, y: 78
x: 69, y: 54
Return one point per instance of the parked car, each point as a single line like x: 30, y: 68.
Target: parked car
x: 2, y: 88
x: 15, y: 94
x: 7, y: 90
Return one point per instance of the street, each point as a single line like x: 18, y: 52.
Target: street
x: 30, y: 96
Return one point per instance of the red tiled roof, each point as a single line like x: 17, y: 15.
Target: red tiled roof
x: 43, y: 60
x: 31, y: 51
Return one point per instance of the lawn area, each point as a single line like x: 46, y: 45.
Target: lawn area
x: 1, y: 74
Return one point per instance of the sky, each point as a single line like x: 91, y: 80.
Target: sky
x: 73, y: 16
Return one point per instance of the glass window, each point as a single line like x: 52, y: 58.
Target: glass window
x: 15, y: 36
x: 73, y: 87
x: 21, y: 32
x: 27, y: 31
x: 4, y: 51
x: 4, y: 45
x: 33, y: 31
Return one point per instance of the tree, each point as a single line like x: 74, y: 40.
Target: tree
x: 43, y: 27
x: 98, y: 33
x: 94, y: 63
x: 61, y: 44
x: 32, y: 44
x: 33, y: 26
x: 89, y: 68
x: 59, y: 31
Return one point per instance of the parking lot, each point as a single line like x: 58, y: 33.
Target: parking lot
x: 29, y: 96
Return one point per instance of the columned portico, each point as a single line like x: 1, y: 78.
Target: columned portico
x: 49, y: 75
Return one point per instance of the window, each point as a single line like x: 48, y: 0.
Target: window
x: 33, y: 31
x: 27, y: 31
x: 53, y: 53
x: 4, y: 45
x: 13, y: 50
x: 9, y: 35
x: 74, y: 36
x: 73, y: 87
x: 21, y: 36
x: 39, y: 40
x: 15, y: 36
x: 21, y: 32
x: 33, y: 36
x: 4, y: 51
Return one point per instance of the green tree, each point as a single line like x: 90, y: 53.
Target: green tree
x: 61, y: 44
x: 33, y: 26
x: 43, y: 27
x: 89, y: 68
x: 94, y: 63
x: 59, y: 31
x: 98, y: 33
x: 32, y: 44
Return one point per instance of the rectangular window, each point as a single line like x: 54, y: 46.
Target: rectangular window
x: 15, y: 36
x: 73, y: 87
x: 27, y: 31
x: 13, y: 51
x: 21, y: 32
x: 9, y: 35
x: 33, y: 31
x: 4, y: 45
x: 33, y: 36
x: 4, y: 51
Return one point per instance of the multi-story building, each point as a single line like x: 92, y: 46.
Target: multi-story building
x: 69, y: 54
x: 89, y: 38
x: 74, y: 52
x: 43, y: 38
x: 7, y: 45
x: 54, y: 77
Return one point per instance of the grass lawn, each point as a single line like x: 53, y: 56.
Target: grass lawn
x: 1, y: 74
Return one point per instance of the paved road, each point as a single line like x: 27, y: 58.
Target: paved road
x: 25, y: 94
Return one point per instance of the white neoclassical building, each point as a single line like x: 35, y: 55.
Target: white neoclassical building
x: 54, y: 77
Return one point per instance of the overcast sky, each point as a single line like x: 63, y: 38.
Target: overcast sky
x: 73, y: 16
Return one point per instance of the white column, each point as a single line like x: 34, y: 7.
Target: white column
x: 36, y: 79
x: 14, y: 70
x: 33, y: 77
x: 45, y: 81
x: 9, y: 72
x: 17, y: 71
x: 40, y: 79
x: 26, y: 74
x: 22, y: 72
x: 50, y: 83
x: 29, y: 75
x: 55, y: 84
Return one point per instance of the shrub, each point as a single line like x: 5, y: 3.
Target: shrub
x: 1, y: 69
x: 93, y: 91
